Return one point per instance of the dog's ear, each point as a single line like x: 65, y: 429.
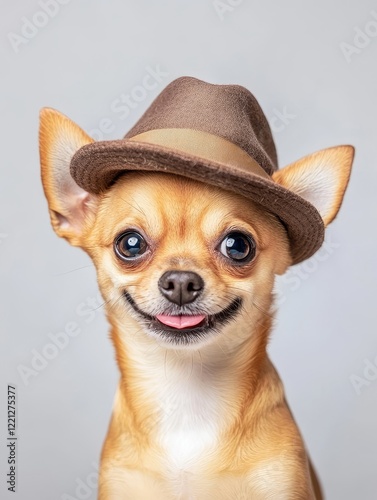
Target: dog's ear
x: 69, y: 204
x: 321, y: 178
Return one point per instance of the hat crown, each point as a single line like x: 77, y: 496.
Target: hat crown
x: 228, y: 111
x: 216, y: 134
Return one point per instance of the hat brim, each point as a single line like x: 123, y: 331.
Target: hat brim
x: 96, y: 166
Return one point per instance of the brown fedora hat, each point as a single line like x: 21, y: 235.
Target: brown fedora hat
x: 217, y: 134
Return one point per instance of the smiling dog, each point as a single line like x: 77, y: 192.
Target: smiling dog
x: 188, y: 221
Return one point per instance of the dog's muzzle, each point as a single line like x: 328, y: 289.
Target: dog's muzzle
x: 184, y: 329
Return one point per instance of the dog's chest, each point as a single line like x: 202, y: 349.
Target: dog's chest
x: 188, y: 428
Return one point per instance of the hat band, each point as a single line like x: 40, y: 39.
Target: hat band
x: 204, y: 145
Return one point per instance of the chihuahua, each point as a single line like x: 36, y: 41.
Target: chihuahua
x: 187, y: 271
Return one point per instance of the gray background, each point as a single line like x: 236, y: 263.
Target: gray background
x: 290, y: 55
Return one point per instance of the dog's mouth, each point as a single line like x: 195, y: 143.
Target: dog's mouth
x: 185, y: 328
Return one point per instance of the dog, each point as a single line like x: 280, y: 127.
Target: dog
x: 187, y: 242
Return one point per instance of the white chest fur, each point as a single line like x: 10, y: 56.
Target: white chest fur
x: 192, y: 395
x: 188, y: 428
x: 189, y: 421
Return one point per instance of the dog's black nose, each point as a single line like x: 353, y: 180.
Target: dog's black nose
x: 180, y: 287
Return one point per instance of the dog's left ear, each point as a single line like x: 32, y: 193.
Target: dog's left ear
x: 321, y: 178
x: 69, y: 204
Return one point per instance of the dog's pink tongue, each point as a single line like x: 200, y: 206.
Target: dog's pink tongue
x: 180, y: 321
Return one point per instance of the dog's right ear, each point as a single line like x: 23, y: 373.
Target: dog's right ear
x: 69, y: 205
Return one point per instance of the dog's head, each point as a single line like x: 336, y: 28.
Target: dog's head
x: 184, y: 262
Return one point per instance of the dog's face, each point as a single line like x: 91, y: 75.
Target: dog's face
x: 183, y: 258
x: 181, y: 262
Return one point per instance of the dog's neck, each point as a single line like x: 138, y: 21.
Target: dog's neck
x: 159, y: 385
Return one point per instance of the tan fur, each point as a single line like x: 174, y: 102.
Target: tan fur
x: 59, y: 138
x: 223, y: 396
x: 335, y: 164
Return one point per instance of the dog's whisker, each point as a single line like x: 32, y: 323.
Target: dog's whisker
x: 138, y: 209
x: 220, y: 346
x: 110, y: 302
x: 201, y: 363
x: 112, y: 299
x: 166, y: 375
x: 267, y: 313
x: 93, y: 247
x: 232, y: 287
x: 74, y: 270
x: 254, y: 303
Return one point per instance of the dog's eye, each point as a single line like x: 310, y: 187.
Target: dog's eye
x: 238, y: 247
x: 130, y: 245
